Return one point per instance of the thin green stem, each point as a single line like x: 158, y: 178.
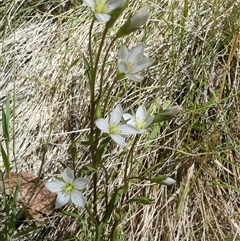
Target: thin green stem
x: 93, y: 148
x: 115, y: 224
x: 96, y: 222
x: 90, y: 43
x: 106, y: 183
x: 108, y: 96
x: 125, y: 180
x: 103, y: 66
x: 130, y: 154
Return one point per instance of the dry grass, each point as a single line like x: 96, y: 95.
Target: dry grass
x: 200, y: 148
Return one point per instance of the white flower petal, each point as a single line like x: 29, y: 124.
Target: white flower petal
x: 116, y: 115
x: 102, y: 125
x: 142, y: 64
x: 114, y: 4
x: 62, y: 199
x: 78, y: 199
x: 80, y: 183
x: 141, y: 113
x: 149, y: 120
x: 67, y: 175
x: 102, y: 17
x: 122, y: 67
x: 118, y: 139
x: 139, y: 18
x: 135, y: 77
x: 89, y: 3
x: 128, y: 130
x: 169, y: 181
x: 136, y: 53
x: 122, y: 54
x: 55, y: 186
x: 142, y: 131
x: 127, y: 117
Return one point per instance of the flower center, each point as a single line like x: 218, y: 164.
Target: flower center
x: 130, y: 65
x: 100, y: 6
x: 113, y: 129
x: 140, y: 125
x: 69, y: 188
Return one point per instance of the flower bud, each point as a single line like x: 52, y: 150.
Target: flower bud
x: 172, y: 111
x: 167, y: 114
x: 134, y: 23
x: 139, y: 18
x: 168, y: 181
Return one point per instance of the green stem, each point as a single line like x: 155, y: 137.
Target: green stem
x: 130, y: 153
x: 90, y: 43
x: 103, y: 66
x: 115, y: 224
x: 93, y: 148
x: 108, y: 96
x: 125, y: 180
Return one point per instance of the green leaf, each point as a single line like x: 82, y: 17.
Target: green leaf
x: 98, y: 113
x: 71, y: 214
x: 73, y: 150
x: 155, y: 132
x: 102, y: 145
x: 73, y: 63
x: 87, y: 169
x: 5, y: 120
x: 89, y: 72
x: 5, y: 126
x: 142, y: 200
x: 5, y: 159
x: 100, y: 230
x: 114, y: 200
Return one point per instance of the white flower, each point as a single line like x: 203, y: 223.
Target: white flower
x: 132, y: 61
x: 141, y: 121
x: 102, y: 8
x: 114, y: 128
x: 68, y: 189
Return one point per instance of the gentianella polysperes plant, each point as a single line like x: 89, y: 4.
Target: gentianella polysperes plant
x: 105, y: 204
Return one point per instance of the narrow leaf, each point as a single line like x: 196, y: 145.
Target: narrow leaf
x: 5, y: 125
x: 142, y: 200
x: 5, y: 159
x: 114, y: 200
x: 155, y: 132
x: 89, y: 72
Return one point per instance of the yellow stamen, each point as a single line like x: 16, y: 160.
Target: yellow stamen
x: 100, y: 6
x: 113, y: 129
x: 130, y: 65
x: 69, y: 188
